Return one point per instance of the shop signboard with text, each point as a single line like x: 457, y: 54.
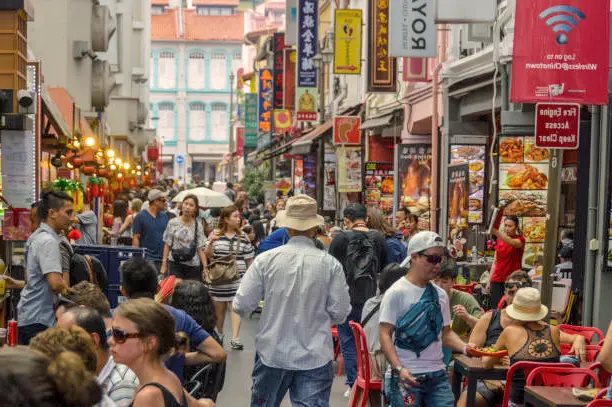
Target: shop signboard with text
x: 250, y: 120
x: 347, y: 41
x: 557, y: 125
x: 265, y: 107
x: 565, y: 58
x: 413, y: 25
x: 306, y: 72
x: 349, y: 169
x: 278, y: 46
x: 382, y: 68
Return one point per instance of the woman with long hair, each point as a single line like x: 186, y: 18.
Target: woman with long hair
x: 396, y: 250
x: 126, y: 227
x: 184, y: 240
x: 141, y: 337
x: 29, y: 378
x: 120, y: 213
x: 509, y: 250
x: 229, y: 240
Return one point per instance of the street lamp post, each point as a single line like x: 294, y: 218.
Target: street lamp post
x: 231, y: 129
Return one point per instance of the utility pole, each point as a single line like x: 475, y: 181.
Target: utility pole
x: 231, y: 129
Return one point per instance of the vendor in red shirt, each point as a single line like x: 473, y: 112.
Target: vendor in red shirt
x: 508, y: 256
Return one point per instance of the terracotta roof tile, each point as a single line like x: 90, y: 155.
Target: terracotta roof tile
x: 213, y: 28
x: 160, y: 2
x: 64, y: 103
x: 163, y: 26
x: 235, y: 3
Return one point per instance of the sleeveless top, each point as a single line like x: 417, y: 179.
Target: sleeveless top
x: 539, y: 347
x: 494, y: 329
x: 169, y: 400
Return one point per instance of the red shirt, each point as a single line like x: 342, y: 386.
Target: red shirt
x: 507, y: 260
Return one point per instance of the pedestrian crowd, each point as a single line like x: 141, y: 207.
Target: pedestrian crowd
x: 164, y: 345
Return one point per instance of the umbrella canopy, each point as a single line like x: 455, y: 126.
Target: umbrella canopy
x: 207, y: 197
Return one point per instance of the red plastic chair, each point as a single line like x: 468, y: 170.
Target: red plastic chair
x: 602, y: 373
x: 363, y: 383
x: 601, y: 343
x: 586, y: 331
x: 592, y: 351
x: 527, y: 368
x: 602, y: 394
x: 600, y: 403
x: 466, y: 288
x: 337, y: 353
x: 553, y: 376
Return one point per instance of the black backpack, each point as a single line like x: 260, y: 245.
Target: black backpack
x: 362, y: 265
x: 88, y: 268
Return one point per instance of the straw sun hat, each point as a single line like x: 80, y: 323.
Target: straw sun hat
x: 300, y: 214
x: 527, y: 306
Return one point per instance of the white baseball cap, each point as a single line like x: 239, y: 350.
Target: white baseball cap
x: 420, y: 242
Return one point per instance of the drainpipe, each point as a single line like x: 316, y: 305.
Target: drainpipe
x: 591, y: 255
x: 435, y: 142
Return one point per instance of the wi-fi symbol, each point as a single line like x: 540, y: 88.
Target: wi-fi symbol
x: 563, y: 20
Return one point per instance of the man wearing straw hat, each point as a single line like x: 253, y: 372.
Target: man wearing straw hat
x: 305, y: 293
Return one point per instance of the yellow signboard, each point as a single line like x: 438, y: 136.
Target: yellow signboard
x: 347, y: 42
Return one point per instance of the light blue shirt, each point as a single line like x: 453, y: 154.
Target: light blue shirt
x: 305, y: 293
x: 42, y: 256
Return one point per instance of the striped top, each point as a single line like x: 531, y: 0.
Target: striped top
x: 244, y: 253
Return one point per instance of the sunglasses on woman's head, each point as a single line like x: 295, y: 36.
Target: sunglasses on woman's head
x: 517, y: 285
x: 432, y: 258
x: 121, y: 336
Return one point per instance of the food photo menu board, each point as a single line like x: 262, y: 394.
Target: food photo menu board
x: 474, y: 156
x: 414, y: 181
x: 379, y: 187
x: 523, y: 189
x: 458, y: 185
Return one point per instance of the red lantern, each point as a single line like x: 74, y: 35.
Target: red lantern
x: 87, y: 170
x: 77, y: 162
x: 152, y: 153
x: 104, y: 173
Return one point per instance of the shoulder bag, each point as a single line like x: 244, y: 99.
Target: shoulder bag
x: 185, y: 254
x: 223, y: 270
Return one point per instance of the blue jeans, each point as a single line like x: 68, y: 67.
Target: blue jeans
x: 347, y: 344
x: 307, y: 388
x: 434, y: 390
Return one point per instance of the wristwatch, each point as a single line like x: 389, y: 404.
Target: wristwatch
x: 396, y: 370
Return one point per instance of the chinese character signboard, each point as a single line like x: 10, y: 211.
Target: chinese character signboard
x: 414, y: 28
x: 382, y: 69
x: 346, y: 130
x: 289, y: 79
x: 266, y: 92
x: 306, y: 93
x: 568, y: 61
x: 250, y: 120
x: 557, y: 125
x: 347, y: 42
x: 278, y: 46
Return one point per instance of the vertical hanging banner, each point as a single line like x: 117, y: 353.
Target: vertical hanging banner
x: 414, y: 26
x: 278, y: 46
x: 347, y: 41
x: 239, y: 141
x: 291, y: 13
x: 289, y: 79
x: 265, y: 107
x: 458, y: 192
x: 568, y: 61
x: 382, y: 68
x: 250, y: 120
x: 308, y: 40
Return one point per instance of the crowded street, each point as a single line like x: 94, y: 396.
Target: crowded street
x: 274, y: 203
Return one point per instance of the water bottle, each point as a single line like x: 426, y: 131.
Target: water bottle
x: 474, y: 254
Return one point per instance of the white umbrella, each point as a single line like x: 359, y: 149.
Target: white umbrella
x: 207, y: 197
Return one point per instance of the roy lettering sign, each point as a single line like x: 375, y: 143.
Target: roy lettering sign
x: 414, y: 23
x: 557, y: 125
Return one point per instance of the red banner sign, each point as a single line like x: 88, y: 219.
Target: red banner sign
x: 346, y: 130
x: 415, y: 70
x: 289, y: 79
x: 239, y: 141
x: 557, y: 125
x: 278, y: 46
x: 565, y: 58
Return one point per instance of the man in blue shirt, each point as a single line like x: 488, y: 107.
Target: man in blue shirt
x: 275, y: 239
x: 149, y: 227
x: 139, y: 280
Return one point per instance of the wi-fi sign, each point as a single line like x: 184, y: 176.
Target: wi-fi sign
x: 562, y: 19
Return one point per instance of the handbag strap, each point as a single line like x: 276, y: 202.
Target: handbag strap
x: 371, y: 314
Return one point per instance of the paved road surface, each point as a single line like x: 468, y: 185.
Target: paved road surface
x: 237, y: 390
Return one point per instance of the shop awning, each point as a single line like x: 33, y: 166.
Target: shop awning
x: 53, y: 114
x: 309, y: 138
x: 381, y: 121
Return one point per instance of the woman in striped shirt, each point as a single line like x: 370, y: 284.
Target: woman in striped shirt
x: 224, y: 240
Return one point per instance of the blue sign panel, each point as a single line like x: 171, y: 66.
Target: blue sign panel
x: 308, y: 40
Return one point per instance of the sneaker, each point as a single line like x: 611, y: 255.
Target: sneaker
x: 236, y: 344
x: 347, y: 393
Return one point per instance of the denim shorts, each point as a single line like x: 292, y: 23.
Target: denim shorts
x: 434, y: 390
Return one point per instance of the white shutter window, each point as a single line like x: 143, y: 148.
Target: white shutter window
x: 219, y: 122
x: 196, y: 70
x: 165, y: 126
x: 167, y: 70
x: 218, y: 70
x: 197, y: 122
x: 236, y: 62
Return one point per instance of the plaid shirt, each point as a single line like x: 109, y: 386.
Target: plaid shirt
x: 118, y: 382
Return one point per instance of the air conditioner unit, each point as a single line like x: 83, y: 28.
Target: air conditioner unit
x: 480, y: 32
x: 102, y: 84
x: 466, y: 43
x: 103, y: 27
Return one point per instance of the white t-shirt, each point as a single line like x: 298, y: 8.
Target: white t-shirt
x: 396, y: 302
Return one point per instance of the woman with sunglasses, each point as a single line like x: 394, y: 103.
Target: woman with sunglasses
x: 487, y: 331
x: 141, y: 336
x: 508, y: 256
